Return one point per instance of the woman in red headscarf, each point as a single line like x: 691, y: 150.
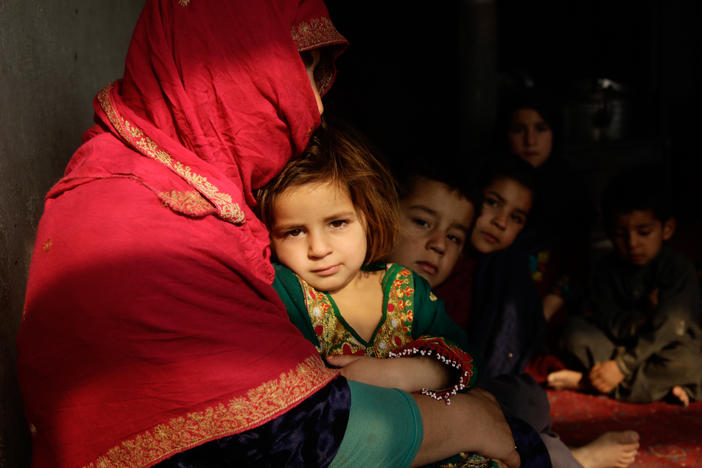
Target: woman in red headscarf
x: 150, y: 326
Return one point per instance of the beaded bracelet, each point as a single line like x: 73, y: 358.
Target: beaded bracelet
x: 446, y: 353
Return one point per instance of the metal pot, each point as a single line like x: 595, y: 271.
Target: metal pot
x: 598, y: 110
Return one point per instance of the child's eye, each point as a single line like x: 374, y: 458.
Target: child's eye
x: 517, y: 128
x: 421, y: 222
x: 542, y: 127
x: 455, y: 239
x: 339, y: 223
x: 644, y: 233
x: 489, y: 201
x: 517, y: 219
x: 292, y: 233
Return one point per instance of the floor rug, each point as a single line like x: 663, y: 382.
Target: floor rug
x: 671, y: 436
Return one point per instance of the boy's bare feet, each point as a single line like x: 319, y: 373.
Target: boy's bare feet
x: 680, y: 393
x: 610, y: 450
x: 565, y: 379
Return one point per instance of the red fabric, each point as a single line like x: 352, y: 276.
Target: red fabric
x: 150, y: 325
x: 541, y: 365
x: 670, y: 435
x: 457, y: 291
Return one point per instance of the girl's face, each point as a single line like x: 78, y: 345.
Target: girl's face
x: 506, y: 205
x: 311, y: 60
x: 530, y: 136
x: 318, y: 234
x: 434, y: 225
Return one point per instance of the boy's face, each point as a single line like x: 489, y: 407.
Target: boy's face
x: 506, y: 205
x: 638, y: 236
x: 318, y: 234
x: 434, y: 225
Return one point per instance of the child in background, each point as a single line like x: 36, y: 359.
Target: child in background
x: 557, y: 239
x: 430, y: 204
x: 492, y: 276
x: 639, y: 340
x: 332, y: 214
x: 507, y: 321
x: 436, y: 216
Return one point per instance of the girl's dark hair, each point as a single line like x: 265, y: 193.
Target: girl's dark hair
x: 341, y: 156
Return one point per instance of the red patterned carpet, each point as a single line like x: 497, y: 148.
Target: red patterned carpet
x: 671, y: 436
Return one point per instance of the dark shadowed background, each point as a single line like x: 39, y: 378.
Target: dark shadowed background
x: 418, y: 78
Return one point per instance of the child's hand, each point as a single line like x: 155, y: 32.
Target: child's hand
x: 605, y: 376
x: 408, y: 374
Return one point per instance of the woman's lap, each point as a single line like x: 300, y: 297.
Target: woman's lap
x: 346, y: 423
x: 308, y: 435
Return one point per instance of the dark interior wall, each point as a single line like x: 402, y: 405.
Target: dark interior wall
x: 54, y: 57
x: 399, y: 80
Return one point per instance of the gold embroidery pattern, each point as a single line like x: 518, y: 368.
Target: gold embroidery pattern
x: 237, y: 415
x: 190, y: 203
x: 183, y: 3
x: 317, y: 32
x: 47, y: 245
x: 227, y: 210
x: 397, y: 329
x: 335, y: 339
x: 469, y: 460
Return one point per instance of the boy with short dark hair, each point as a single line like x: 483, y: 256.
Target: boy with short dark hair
x: 640, y: 339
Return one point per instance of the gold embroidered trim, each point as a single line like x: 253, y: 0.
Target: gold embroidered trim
x: 396, y: 332
x: 226, y: 208
x: 190, y: 203
x: 183, y: 3
x: 225, y: 419
x: 334, y: 338
x: 317, y: 32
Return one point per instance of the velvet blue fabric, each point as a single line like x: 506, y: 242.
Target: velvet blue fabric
x: 531, y: 448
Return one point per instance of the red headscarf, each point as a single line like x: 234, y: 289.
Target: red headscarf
x: 150, y: 325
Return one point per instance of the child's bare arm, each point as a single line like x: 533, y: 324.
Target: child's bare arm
x: 409, y: 374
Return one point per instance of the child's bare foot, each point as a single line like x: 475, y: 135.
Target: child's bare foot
x: 680, y: 393
x: 610, y: 450
x: 565, y: 379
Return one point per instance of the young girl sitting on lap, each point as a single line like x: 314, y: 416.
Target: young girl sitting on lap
x: 332, y: 214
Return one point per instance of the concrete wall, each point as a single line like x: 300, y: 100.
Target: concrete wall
x: 55, y: 55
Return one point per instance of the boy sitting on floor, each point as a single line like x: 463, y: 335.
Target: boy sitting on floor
x: 639, y: 340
